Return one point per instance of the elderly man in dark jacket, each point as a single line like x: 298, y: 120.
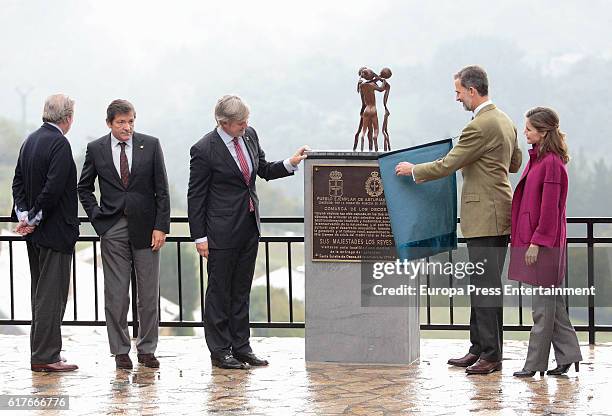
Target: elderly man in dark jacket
x: 45, y: 195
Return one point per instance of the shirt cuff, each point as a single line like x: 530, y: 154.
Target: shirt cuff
x: 21, y: 215
x: 290, y: 168
x: 201, y: 240
x: 36, y: 219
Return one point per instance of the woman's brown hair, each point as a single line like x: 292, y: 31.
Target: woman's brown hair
x: 546, y: 120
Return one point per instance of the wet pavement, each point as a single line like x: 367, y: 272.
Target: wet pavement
x: 186, y: 383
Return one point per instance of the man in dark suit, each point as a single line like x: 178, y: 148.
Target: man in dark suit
x: 132, y: 220
x: 44, y: 191
x: 224, y: 222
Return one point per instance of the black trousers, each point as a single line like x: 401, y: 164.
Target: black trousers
x: 226, y: 311
x: 50, y: 272
x: 487, y: 309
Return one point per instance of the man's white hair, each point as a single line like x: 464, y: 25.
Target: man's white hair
x: 231, y: 108
x: 58, y: 108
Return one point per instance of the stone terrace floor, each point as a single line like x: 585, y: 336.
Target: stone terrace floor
x: 186, y: 383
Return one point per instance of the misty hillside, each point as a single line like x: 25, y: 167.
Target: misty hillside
x: 296, y: 64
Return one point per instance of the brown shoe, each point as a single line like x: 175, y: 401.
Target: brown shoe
x: 465, y: 361
x: 483, y: 366
x: 57, y: 367
x: 123, y: 361
x: 148, y: 360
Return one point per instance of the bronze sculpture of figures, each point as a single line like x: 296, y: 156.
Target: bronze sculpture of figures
x: 368, y: 123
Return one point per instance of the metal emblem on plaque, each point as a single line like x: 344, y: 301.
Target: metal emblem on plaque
x: 373, y: 185
x: 336, y: 184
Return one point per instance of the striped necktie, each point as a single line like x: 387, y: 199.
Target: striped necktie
x: 244, y: 168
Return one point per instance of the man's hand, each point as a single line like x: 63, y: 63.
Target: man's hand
x: 404, y: 169
x: 531, y: 256
x: 157, y: 240
x: 24, y: 229
x: 202, y: 249
x: 299, y: 155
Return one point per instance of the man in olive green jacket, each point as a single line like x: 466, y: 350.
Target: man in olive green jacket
x: 486, y: 152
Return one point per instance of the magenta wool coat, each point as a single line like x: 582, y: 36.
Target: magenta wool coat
x: 538, y: 217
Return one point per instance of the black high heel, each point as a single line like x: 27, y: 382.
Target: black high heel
x: 526, y: 373
x: 562, y: 369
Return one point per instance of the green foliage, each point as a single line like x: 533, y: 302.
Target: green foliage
x: 10, y: 142
x: 590, y: 186
x: 279, y: 312
x: 277, y: 256
x: 10, y: 138
x: 190, y: 276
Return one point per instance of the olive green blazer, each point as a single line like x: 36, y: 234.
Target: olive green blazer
x: 486, y: 152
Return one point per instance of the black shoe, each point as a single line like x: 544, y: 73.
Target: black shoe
x: 562, y: 369
x: 228, y: 361
x: 251, y: 359
x: 526, y: 373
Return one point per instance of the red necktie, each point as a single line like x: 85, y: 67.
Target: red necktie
x: 244, y: 167
x: 123, y: 165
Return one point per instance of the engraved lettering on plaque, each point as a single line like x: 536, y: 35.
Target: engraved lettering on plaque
x: 349, y: 215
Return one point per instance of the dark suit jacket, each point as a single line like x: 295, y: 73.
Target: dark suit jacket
x: 45, y: 178
x: 145, y: 201
x: 218, y: 197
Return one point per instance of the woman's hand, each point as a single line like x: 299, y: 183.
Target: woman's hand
x: 531, y: 256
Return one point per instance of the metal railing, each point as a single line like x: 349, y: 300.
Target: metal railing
x: 179, y: 241
x: 589, y: 241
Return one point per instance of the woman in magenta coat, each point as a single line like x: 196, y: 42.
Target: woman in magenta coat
x: 538, y: 246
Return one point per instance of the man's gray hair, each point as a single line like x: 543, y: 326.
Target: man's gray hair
x: 231, y: 108
x: 58, y: 107
x: 474, y: 76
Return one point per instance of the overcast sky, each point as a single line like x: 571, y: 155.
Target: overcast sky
x: 294, y: 62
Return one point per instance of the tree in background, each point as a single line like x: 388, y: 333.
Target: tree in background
x: 190, y: 276
x: 10, y: 143
x: 279, y: 312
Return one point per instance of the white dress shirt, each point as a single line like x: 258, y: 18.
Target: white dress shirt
x: 481, y: 106
x: 228, y: 140
x: 116, y: 151
x: 56, y: 126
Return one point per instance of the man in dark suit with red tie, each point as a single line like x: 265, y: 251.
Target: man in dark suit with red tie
x: 132, y: 220
x: 44, y: 191
x: 224, y: 222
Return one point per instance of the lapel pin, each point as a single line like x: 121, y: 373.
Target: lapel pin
x: 142, y: 146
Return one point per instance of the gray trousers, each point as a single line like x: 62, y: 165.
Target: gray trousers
x: 50, y: 273
x: 117, y: 258
x: 551, y: 324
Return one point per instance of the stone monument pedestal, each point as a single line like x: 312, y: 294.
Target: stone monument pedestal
x: 344, y: 210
